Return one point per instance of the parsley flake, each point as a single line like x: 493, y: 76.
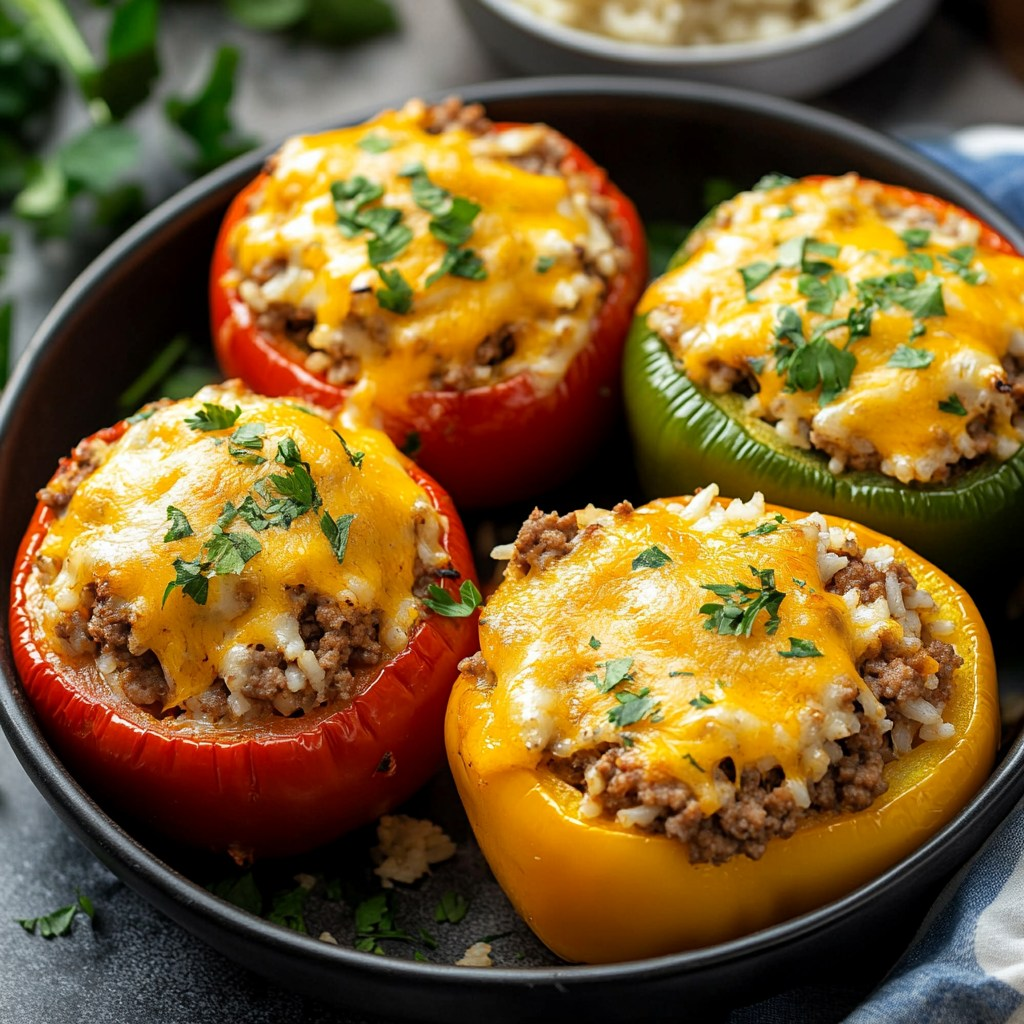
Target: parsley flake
x: 755, y: 274
x: 800, y: 649
x: 594, y: 642
x: 702, y: 700
x: 773, y: 180
x: 544, y: 264
x: 953, y: 405
x: 458, y: 263
x: 213, y: 416
x: 959, y: 261
x: 633, y: 707
x: 441, y: 602
x: 375, y: 143
x: 741, y: 604
x: 908, y: 358
x: 822, y: 295
x: 58, y: 922
x: 451, y: 908
x: 354, y: 458
x: 916, y: 238
x: 336, y: 532
x: 190, y: 576
x: 769, y: 527
x: 396, y: 295
x: 651, y: 558
x: 693, y: 761
x: 180, y: 526
x: 246, y: 443
x: 615, y: 671
x: 806, y: 365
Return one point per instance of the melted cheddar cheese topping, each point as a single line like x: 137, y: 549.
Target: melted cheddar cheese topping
x: 115, y: 526
x: 552, y: 636
x: 958, y: 307
x: 530, y: 234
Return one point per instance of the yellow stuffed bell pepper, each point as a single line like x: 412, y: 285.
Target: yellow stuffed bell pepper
x: 693, y: 720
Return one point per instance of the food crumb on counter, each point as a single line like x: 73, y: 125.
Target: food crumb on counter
x: 478, y: 955
x: 408, y: 846
x: 328, y: 937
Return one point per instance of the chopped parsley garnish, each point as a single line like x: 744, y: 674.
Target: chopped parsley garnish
x: 769, y: 527
x: 702, y: 700
x: 227, y: 553
x: 633, y: 707
x: 441, y: 602
x: 336, y: 532
x: 916, y: 238
x: 807, y: 365
x: 773, y: 180
x: 349, y: 199
x: 375, y: 143
x: 58, y: 922
x: 799, y: 583
x: 755, y: 274
x: 651, y: 558
x: 451, y: 908
x: 213, y: 416
x: 800, y: 649
x: 741, y: 604
x: 917, y: 330
x: 594, y: 642
x: 287, y: 908
x: 953, y: 405
x: 786, y: 212
x: 908, y: 358
x: 915, y: 261
x: 241, y: 891
x: 800, y: 250
x: 354, y: 458
x: 459, y: 263
x: 822, y: 295
x: 396, y: 295
x: 679, y: 672
x: 180, y: 526
x: 246, y: 443
x: 692, y: 760
x: 455, y: 227
x: 959, y: 261
x: 375, y: 920
x: 190, y: 576
x: 919, y: 298
x: 615, y: 671
x: 544, y: 264
x: 389, y: 244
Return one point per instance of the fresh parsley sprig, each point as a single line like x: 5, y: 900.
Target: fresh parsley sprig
x: 741, y: 604
x: 441, y: 602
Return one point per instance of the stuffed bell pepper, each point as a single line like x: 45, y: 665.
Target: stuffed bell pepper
x: 736, y: 713
x: 469, y: 283
x: 847, y: 346
x: 239, y: 624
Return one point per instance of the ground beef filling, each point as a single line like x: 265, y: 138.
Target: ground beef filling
x: 339, y: 363
x: 619, y: 779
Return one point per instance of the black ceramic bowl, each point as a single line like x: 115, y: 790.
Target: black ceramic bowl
x: 661, y: 142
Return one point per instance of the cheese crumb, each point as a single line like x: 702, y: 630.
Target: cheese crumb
x: 478, y: 955
x: 408, y: 846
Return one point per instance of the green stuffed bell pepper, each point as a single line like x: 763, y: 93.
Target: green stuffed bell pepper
x: 844, y: 345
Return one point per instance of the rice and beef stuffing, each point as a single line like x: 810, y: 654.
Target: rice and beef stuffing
x: 906, y: 679
x: 531, y: 285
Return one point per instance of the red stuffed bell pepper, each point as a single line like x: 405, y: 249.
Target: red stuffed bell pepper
x: 240, y: 626
x: 472, y: 283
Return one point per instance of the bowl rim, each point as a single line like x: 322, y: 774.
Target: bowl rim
x: 181, y: 898
x: 693, y: 55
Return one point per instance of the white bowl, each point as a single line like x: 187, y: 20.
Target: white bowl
x: 805, y: 63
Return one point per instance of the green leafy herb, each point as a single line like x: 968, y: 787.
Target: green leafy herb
x: 741, y: 604
x: 799, y: 583
x: 702, y: 700
x: 441, y: 602
x: 375, y: 143
x: 354, y: 458
x: 786, y: 213
x: 915, y: 261
x: 921, y: 299
x: 213, y: 416
x: 180, y: 526
x: 916, y: 238
x: 287, y: 908
x: 773, y: 180
x: 350, y: 196
x: 800, y: 251
x: 651, y: 558
x: 822, y: 295
x: 594, y: 642
x: 764, y: 528
x: 959, y: 260
x: 58, y: 922
x: 205, y: 118
x: 633, y: 707
x: 426, y: 195
x: 241, y: 891
x: 801, y: 649
x: 544, y: 264
x: 615, y: 671
x: 246, y: 442
x: 953, y: 405
x: 807, y: 365
x: 389, y: 245
x: 336, y: 532
x: 227, y: 553
x: 679, y: 672
x: 908, y: 358
x: 692, y: 760
x: 459, y: 263
x: 190, y: 576
x: 755, y: 274
x: 456, y: 226
x: 396, y: 295
x: 451, y: 908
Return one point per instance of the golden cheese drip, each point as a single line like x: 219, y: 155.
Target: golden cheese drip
x: 716, y: 696
x: 115, y: 525
x: 892, y: 410
x: 527, y: 234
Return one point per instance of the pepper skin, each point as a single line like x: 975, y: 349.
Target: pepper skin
x: 280, y: 789
x: 685, y: 434
x: 486, y: 445
x: 595, y: 891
